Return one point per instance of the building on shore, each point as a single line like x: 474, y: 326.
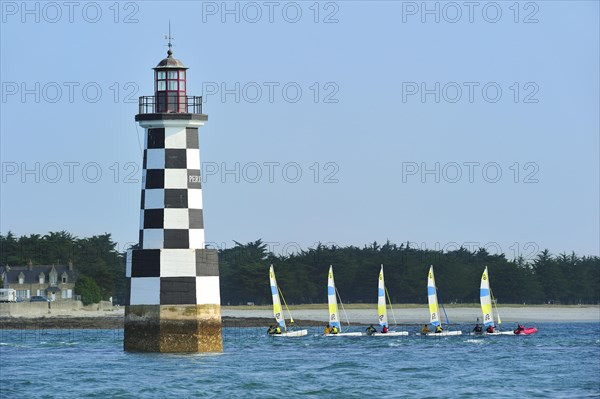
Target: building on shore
x: 55, y: 282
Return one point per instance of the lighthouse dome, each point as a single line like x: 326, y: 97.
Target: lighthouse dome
x: 170, y: 62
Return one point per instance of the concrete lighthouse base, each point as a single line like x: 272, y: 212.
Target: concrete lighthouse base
x: 173, y: 328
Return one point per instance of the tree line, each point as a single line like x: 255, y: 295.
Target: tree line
x: 302, y: 276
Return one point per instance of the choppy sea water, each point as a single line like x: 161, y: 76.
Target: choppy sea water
x: 560, y: 361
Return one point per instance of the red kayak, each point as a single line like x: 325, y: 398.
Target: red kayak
x: 525, y: 331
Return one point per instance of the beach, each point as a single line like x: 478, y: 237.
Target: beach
x: 306, y: 315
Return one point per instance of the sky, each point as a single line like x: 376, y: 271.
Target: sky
x: 442, y: 124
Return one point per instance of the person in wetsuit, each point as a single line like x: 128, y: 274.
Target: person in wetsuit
x: 371, y: 330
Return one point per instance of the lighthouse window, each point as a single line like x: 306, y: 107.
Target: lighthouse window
x: 161, y: 74
x: 172, y: 106
x: 182, y: 75
x: 172, y: 74
x: 161, y: 85
x: 182, y: 85
x: 172, y: 85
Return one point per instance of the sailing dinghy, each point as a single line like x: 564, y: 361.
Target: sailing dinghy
x: 487, y: 302
x: 334, y: 317
x: 434, y: 315
x: 279, y: 318
x: 382, y: 310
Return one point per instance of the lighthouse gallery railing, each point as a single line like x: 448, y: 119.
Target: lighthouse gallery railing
x: 180, y: 104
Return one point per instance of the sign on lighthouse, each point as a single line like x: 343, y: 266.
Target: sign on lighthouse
x: 174, y: 302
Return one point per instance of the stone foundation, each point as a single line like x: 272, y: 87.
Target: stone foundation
x: 173, y: 328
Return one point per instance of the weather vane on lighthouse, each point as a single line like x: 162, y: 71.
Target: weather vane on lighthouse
x: 169, y: 38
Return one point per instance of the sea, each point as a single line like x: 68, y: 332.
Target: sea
x: 561, y: 361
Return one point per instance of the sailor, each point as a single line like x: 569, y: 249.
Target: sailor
x: 490, y: 329
x: 334, y: 330
x: 371, y: 330
x: 277, y: 330
x: 425, y: 330
x: 519, y: 329
x: 384, y: 329
x: 327, y: 330
x: 477, y: 328
x: 438, y: 329
x: 271, y: 330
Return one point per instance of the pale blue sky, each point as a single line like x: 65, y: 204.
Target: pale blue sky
x: 368, y: 134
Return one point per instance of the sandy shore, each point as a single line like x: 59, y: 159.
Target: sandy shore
x: 313, y: 315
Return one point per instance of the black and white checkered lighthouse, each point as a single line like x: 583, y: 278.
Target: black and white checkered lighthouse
x: 174, y: 303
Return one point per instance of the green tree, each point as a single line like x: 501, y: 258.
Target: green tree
x: 88, y: 289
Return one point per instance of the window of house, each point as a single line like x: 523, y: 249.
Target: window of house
x: 21, y: 279
x: 24, y: 294
x: 53, y: 278
x: 64, y: 279
x: 42, y: 279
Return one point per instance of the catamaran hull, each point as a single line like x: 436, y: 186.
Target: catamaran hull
x: 348, y: 334
x: 527, y: 331
x: 481, y: 334
x: 287, y: 334
x: 442, y: 334
x: 390, y: 334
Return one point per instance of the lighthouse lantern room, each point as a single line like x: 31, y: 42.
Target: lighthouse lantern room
x: 169, y: 85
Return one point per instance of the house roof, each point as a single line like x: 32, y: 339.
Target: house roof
x: 32, y: 276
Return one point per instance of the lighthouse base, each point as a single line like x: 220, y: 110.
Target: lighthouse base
x: 173, y: 328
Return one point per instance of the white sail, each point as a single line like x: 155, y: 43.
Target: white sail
x: 381, y: 304
x: 486, y: 299
x: 434, y: 316
x: 277, y: 312
x: 334, y: 317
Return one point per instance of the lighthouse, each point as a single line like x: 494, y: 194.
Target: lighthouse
x: 174, y: 301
